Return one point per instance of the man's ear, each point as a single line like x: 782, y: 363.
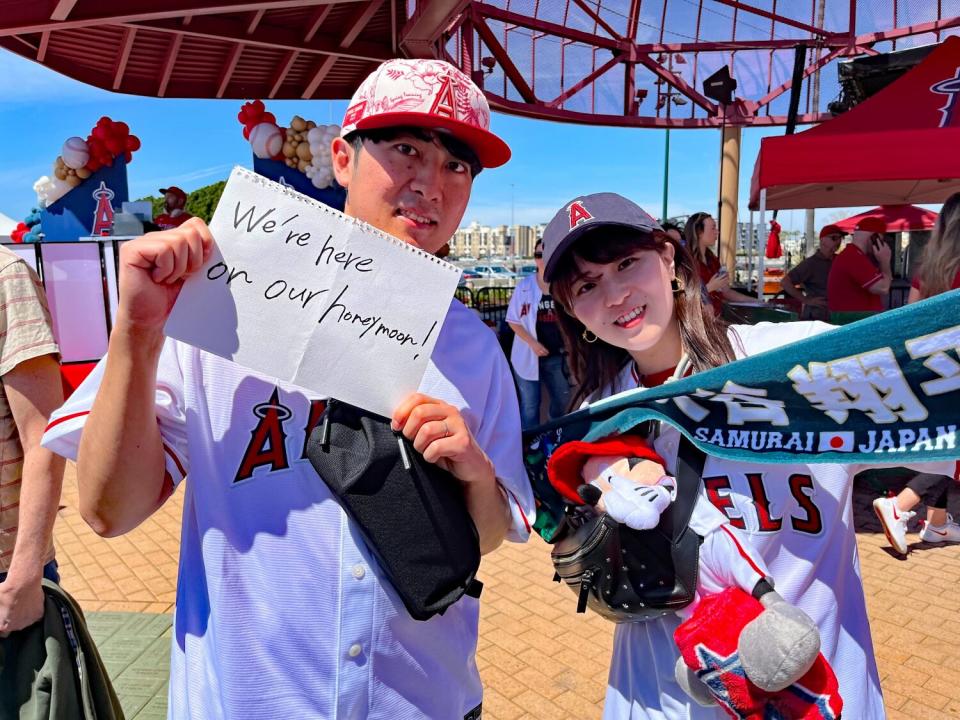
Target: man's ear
x: 341, y: 157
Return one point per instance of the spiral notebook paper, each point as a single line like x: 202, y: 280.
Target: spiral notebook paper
x: 301, y: 292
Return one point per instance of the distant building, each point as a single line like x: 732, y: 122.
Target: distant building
x: 483, y: 241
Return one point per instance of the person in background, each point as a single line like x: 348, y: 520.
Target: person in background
x: 812, y: 274
x: 700, y: 235
x: 537, y: 357
x: 174, y: 213
x: 940, y: 269
x: 939, y: 273
x: 31, y: 476
x: 860, y: 276
x: 673, y: 231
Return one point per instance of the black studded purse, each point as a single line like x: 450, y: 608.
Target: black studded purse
x: 629, y: 575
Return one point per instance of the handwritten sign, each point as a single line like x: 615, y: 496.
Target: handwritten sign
x: 303, y: 293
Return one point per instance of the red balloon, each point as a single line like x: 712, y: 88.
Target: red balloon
x: 133, y: 143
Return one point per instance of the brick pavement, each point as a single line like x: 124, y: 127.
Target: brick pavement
x: 536, y: 657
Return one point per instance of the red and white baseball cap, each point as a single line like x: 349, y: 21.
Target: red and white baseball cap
x: 428, y: 94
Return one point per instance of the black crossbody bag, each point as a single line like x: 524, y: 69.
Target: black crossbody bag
x: 628, y: 575
x: 412, y: 514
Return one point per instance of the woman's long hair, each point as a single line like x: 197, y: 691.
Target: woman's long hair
x: 941, y: 257
x: 691, y: 235
x: 595, y: 366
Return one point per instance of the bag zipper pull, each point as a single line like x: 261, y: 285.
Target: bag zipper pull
x: 404, y: 456
x: 325, y: 427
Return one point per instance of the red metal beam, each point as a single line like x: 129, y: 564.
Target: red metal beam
x: 129, y: 34
x: 323, y: 69
x: 44, y: 44
x: 280, y: 73
x: 737, y: 5
x: 569, y: 92
x: 929, y: 27
x: 268, y: 36
x: 418, y: 37
x: 807, y: 72
x: 168, y: 64
x: 314, y: 23
x: 228, y: 67
x: 353, y: 28
x: 255, y: 19
x: 595, y: 16
x: 36, y: 16
x: 62, y: 10
x: 359, y: 21
x: 677, y: 81
x: 542, y: 112
x: 506, y: 64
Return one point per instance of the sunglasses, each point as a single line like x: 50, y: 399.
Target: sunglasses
x: 538, y: 255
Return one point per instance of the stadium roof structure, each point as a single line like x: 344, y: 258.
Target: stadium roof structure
x: 616, y: 62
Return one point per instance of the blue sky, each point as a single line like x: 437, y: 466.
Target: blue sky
x: 191, y: 143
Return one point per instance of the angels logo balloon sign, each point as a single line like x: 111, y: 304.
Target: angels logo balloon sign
x: 881, y: 390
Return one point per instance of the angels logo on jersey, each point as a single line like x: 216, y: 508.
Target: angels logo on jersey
x: 268, y: 439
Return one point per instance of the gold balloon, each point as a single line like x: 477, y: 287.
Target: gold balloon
x: 298, y: 123
x: 59, y: 162
x: 289, y: 150
x: 73, y: 180
x: 83, y: 173
x: 303, y: 152
x: 311, y: 124
x: 60, y: 172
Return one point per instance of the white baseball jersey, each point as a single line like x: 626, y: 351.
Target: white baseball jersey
x: 799, y: 519
x: 281, y: 611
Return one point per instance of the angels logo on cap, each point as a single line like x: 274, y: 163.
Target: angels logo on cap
x: 578, y: 214
x: 428, y: 94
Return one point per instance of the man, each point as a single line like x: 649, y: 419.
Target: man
x: 282, y: 611
x: 860, y: 276
x: 30, y: 476
x: 812, y: 273
x: 173, y: 215
x: 537, y: 355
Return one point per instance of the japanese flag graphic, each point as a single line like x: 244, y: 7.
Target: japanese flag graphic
x: 836, y: 441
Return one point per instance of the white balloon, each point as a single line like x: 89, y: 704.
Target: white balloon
x: 49, y: 190
x: 266, y: 140
x: 322, y: 179
x: 75, y: 152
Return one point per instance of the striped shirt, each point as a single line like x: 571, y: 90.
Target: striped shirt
x: 25, y: 332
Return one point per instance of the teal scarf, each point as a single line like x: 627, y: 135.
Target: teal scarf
x: 884, y: 390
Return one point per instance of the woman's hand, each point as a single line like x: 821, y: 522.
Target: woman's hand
x: 719, y: 282
x: 439, y: 432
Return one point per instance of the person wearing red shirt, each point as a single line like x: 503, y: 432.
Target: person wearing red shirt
x: 700, y: 235
x: 174, y: 214
x: 860, y: 276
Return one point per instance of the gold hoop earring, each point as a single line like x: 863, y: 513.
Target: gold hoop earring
x: 588, y: 337
x: 677, y: 285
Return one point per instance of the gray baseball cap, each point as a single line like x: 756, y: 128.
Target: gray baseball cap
x: 586, y: 213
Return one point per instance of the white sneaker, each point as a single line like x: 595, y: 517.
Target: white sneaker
x: 949, y: 532
x: 894, y: 522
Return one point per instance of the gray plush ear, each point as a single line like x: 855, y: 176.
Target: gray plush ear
x: 692, y: 685
x: 778, y: 646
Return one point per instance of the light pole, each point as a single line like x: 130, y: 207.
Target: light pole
x: 667, y: 97
x: 513, y: 239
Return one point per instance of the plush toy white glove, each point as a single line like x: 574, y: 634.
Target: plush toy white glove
x: 638, y: 506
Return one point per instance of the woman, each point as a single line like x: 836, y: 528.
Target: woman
x: 630, y: 310
x: 700, y: 234
x: 939, y: 272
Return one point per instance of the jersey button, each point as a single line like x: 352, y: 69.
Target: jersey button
x: 355, y: 650
x: 359, y: 572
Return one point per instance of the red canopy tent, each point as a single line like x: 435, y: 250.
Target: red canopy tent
x: 899, y: 218
x: 900, y: 146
